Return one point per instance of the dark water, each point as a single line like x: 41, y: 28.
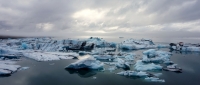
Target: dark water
x: 43, y: 73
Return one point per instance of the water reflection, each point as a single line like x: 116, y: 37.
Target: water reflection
x: 8, y: 75
x: 84, y: 73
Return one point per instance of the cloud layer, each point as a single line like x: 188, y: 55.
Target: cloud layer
x: 150, y: 18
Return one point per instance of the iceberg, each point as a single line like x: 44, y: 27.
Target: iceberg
x: 154, y: 79
x: 134, y: 44
x: 140, y: 66
x: 88, y: 63
x: 152, y: 55
x: 185, y: 47
x: 134, y: 73
x: 129, y: 57
x: 24, y: 68
x: 173, y: 68
x: 121, y: 63
x: 12, y: 68
x: 103, y: 57
x: 49, y: 56
x: 99, y: 42
x: 5, y: 72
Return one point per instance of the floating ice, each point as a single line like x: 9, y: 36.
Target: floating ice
x: 185, y: 47
x: 89, y: 63
x: 24, y: 68
x: 121, y: 63
x: 191, y: 48
x: 140, y: 66
x: 133, y: 73
x: 152, y: 55
x: 5, y: 72
x: 129, y: 56
x: 154, y: 79
x: 49, y: 56
x: 103, y: 57
x: 139, y: 44
x: 150, y: 52
x: 12, y: 68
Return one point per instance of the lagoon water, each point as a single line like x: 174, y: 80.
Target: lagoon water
x: 53, y: 73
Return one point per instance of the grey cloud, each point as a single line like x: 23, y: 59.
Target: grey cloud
x: 134, y: 16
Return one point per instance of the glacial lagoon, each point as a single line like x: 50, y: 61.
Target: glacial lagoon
x: 54, y: 72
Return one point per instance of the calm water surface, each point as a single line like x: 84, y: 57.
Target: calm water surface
x: 53, y: 73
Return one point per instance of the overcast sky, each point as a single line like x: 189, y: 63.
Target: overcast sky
x: 157, y: 19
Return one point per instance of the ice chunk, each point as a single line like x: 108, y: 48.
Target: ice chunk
x: 150, y: 52
x: 121, y: 63
x: 103, y: 57
x: 133, y: 73
x: 112, y: 69
x: 155, y: 56
x: 129, y: 56
x: 12, y: 68
x: 5, y: 72
x: 49, y: 56
x: 140, y: 66
x: 89, y: 63
x: 191, y: 48
x: 154, y: 79
x: 24, y: 68
x: 24, y: 45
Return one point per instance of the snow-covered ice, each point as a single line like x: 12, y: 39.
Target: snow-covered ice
x: 49, y: 56
x: 140, y: 66
x: 152, y: 55
x: 131, y: 44
x: 154, y: 79
x: 24, y: 68
x: 133, y: 73
x: 89, y: 63
x: 5, y: 72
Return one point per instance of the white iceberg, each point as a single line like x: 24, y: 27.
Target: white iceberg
x: 185, y: 47
x: 121, y: 63
x: 88, y: 63
x: 5, y: 72
x: 150, y: 52
x: 133, y: 73
x: 154, y: 79
x: 140, y: 66
x: 152, y: 55
x: 49, y: 56
x: 129, y: 57
x: 24, y: 68
x: 9, y: 67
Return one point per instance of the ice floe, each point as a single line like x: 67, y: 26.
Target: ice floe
x: 152, y: 55
x: 154, y: 79
x: 134, y: 73
x: 88, y: 63
x: 49, y: 56
x: 8, y: 67
x: 185, y: 47
x: 131, y: 44
x: 140, y: 66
